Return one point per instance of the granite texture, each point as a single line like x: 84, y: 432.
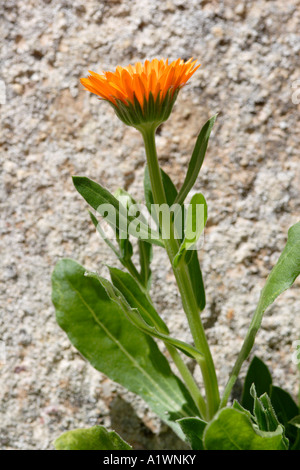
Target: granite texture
x: 51, y: 129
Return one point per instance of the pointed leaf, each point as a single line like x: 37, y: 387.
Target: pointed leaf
x: 145, y: 255
x: 286, y: 409
x: 195, y: 223
x: 237, y: 406
x: 193, y: 428
x: 296, y: 421
x: 136, y: 298
x: 281, y: 278
x: 265, y: 415
x: 145, y: 248
x: 284, y: 272
x: 196, y: 160
x: 196, y: 279
x: 258, y: 374
x: 104, y: 237
x: 231, y: 429
x: 98, y: 328
x: 139, y: 322
x: 115, y: 213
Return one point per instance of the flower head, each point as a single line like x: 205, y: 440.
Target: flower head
x: 142, y: 93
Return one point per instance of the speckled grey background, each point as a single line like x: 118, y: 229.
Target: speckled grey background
x: 52, y: 129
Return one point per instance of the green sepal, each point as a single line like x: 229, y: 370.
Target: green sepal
x: 153, y: 112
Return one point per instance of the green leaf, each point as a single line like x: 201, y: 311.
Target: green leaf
x: 138, y: 320
x: 284, y: 406
x: 145, y: 256
x: 125, y: 251
x: 284, y: 272
x: 193, y: 428
x: 125, y: 198
x: 196, y: 279
x: 145, y: 248
x: 295, y: 421
x: 95, y: 438
x: 281, y: 278
x: 114, y: 212
x: 128, y: 202
x: 104, y: 237
x: 196, y: 160
x: 258, y: 374
x: 286, y: 409
x: 195, y: 223
x: 231, y: 429
x: 263, y: 411
x: 265, y: 415
x: 136, y: 298
x: 237, y: 406
x: 99, y: 330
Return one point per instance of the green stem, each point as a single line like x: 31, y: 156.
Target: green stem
x: 183, y: 280
x: 128, y: 264
x: 181, y: 366
x: 188, y: 380
x: 244, y: 353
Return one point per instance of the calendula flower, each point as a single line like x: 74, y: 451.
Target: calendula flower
x: 142, y: 93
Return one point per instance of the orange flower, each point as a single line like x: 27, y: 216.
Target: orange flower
x: 142, y: 93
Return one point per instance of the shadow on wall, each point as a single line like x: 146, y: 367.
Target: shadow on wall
x: 133, y: 430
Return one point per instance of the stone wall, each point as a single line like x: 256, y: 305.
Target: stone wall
x: 51, y: 129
